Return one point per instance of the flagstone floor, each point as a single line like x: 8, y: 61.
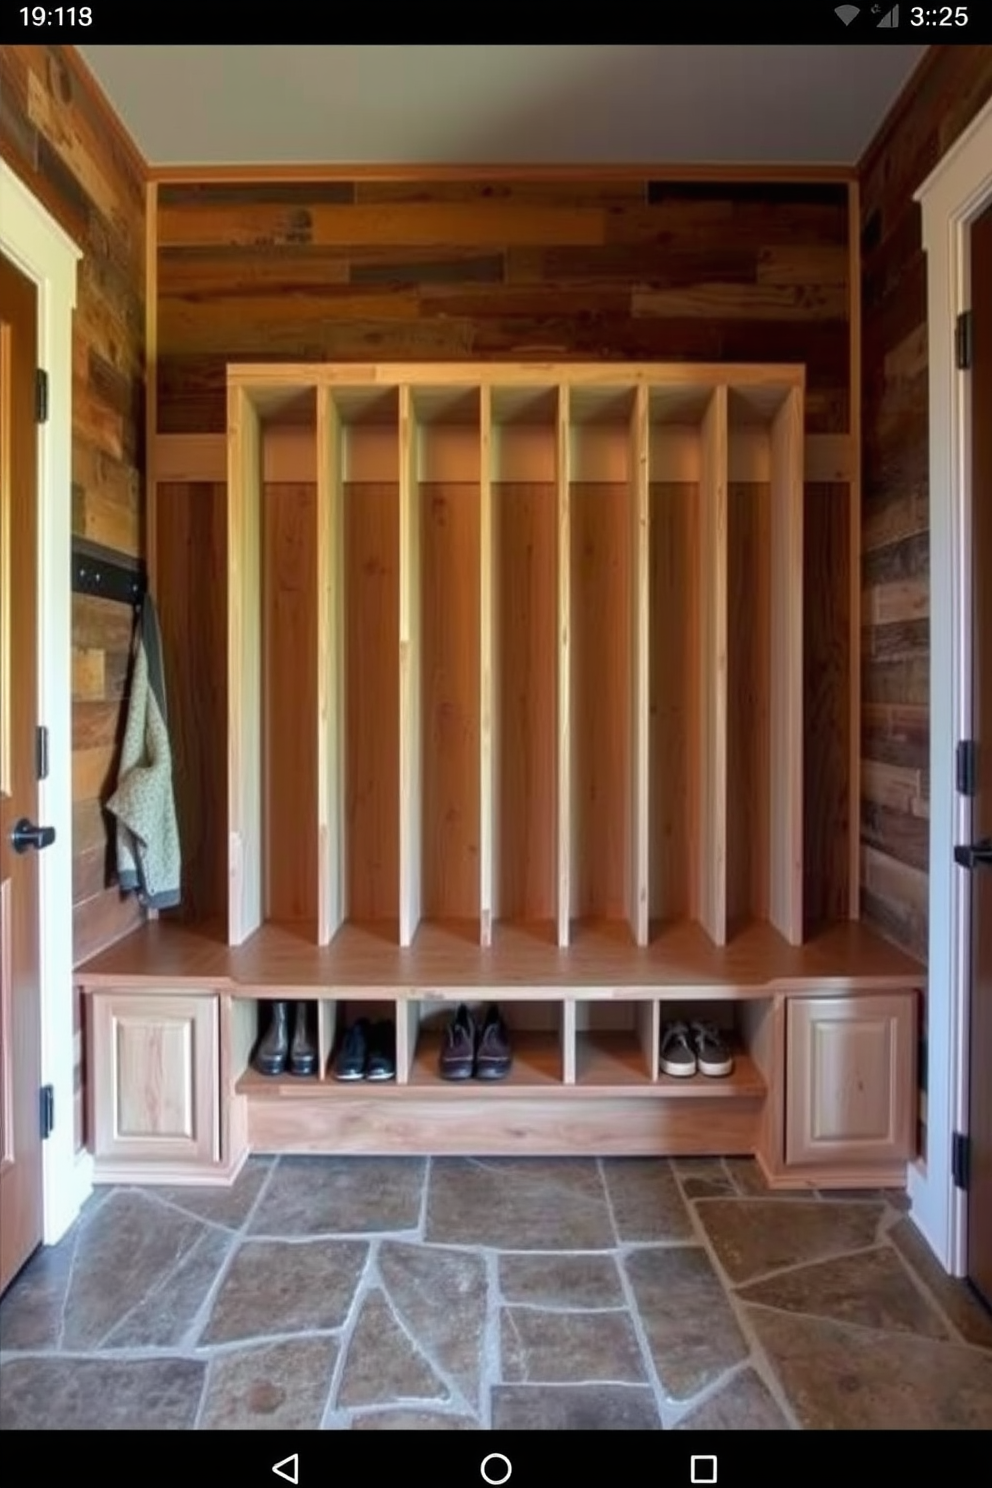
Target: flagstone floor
x: 364, y: 1294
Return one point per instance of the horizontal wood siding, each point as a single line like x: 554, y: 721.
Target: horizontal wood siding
x: 943, y: 98
x: 394, y: 271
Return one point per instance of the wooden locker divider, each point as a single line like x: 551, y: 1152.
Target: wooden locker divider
x: 785, y: 891
x: 411, y: 773
x: 244, y: 666
x: 640, y: 698
x: 488, y: 702
x: 712, y: 599
x: 331, y: 701
x: 564, y: 730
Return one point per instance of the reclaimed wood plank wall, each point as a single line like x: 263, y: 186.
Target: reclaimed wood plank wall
x: 61, y: 139
x: 518, y: 269
x: 946, y: 94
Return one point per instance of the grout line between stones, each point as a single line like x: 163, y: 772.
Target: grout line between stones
x: 334, y: 1417
x: 758, y: 1357
x: 651, y: 1374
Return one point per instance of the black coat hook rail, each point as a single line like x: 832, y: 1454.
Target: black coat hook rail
x: 107, y: 574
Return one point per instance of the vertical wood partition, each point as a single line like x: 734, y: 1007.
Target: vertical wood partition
x: 244, y: 666
x: 331, y: 694
x: 411, y: 736
x: 785, y: 893
x: 564, y: 730
x: 640, y: 622
x: 488, y: 561
x: 712, y: 600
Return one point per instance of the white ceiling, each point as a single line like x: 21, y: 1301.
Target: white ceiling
x: 470, y: 105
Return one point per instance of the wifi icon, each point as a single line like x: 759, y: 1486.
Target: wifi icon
x: 847, y: 13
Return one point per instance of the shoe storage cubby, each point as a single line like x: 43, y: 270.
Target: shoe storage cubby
x: 537, y: 1033
x: 488, y: 684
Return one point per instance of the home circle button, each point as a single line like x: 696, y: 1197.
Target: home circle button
x: 496, y: 1468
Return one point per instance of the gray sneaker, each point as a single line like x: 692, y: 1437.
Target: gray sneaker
x: 677, y: 1055
x: 713, y: 1056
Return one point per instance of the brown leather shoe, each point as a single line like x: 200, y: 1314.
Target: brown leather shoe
x: 457, y: 1061
x: 493, y: 1058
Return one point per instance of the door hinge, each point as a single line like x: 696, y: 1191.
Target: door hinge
x: 967, y: 767
x: 41, y: 751
x: 47, y: 1111
x: 964, y: 341
x: 961, y: 1160
x: 41, y: 396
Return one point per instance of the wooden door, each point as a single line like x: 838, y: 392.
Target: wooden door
x: 20, y: 1002
x: 980, y: 1040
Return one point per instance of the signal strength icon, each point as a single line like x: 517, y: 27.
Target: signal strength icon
x: 847, y: 13
x: 892, y: 19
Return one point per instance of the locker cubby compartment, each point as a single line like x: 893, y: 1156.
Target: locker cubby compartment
x: 744, y: 1080
x: 252, y: 1017
x: 763, y: 802
x: 600, y: 779
x: 520, y: 661
x: 685, y: 434
x: 337, y: 1017
x: 440, y: 640
x: 539, y: 1041
x: 616, y: 1043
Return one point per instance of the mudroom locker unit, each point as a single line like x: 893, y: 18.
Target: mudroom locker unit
x: 490, y: 683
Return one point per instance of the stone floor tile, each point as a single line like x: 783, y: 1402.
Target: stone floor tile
x: 574, y: 1408
x: 646, y: 1201
x: 412, y: 1420
x: 553, y: 1280
x: 959, y: 1304
x: 841, y: 1378
x: 31, y: 1308
x: 744, y: 1403
x: 690, y: 1327
x: 519, y: 1204
x: 277, y: 1286
x: 341, y: 1196
x: 382, y: 1366
x: 870, y: 1288
x: 164, y: 1317
x: 273, y: 1386
x: 441, y: 1298
x: 130, y: 1247
x: 227, y: 1206
x: 541, y: 1347
x: 752, y: 1237
x: 45, y: 1394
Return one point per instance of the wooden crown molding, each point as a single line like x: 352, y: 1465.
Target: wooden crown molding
x: 249, y: 174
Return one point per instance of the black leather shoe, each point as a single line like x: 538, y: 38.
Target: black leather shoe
x: 273, y: 1047
x: 457, y: 1061
x: 303, y: 1048
x: 493, y: 1058
x: 382, y: 1052
x: 353, y: 1054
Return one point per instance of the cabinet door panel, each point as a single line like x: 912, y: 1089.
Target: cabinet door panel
x: 155, y: 1077
x: 850, y: 1079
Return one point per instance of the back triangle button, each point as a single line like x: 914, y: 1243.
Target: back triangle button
x: 288, y: 1468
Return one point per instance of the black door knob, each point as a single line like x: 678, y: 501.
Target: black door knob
x: 975, y: 855
x: 26, y: 834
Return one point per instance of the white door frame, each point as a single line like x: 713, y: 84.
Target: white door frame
x: 33, y: 240
x: 951, y: 197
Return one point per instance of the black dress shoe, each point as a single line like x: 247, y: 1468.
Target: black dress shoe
x: 303, y: 1048
x: 493, y: 1058
x: 353, y: 1055
x: 273, y: 1047
x: 457, y: 1061
x: 382, y: 1052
